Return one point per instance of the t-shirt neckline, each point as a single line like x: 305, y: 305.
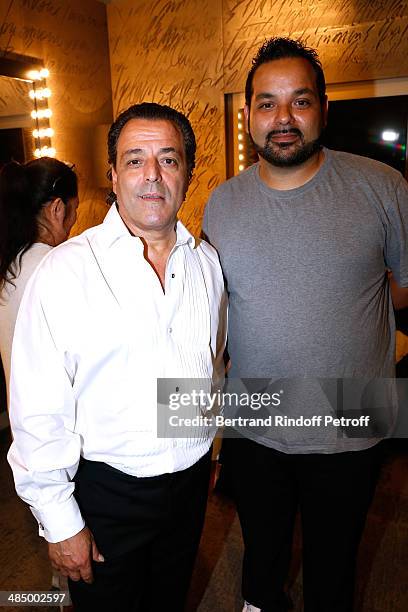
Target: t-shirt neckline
x: 290, y: 193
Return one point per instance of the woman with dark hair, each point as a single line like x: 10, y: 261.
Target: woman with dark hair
x: 38, y: 204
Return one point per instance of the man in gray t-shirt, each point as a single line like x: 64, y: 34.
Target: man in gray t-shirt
x: 305, y: 238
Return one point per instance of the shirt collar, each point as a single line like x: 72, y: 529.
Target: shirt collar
x: 114, y: 229
x: 184, y: 236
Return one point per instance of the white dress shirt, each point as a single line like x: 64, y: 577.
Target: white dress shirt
x: 94, y: 332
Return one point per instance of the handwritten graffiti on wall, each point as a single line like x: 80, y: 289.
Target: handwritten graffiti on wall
x: 174, y: 56
x: 189, y: 53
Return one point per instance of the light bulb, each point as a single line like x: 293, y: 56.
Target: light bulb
x: 389, y: 135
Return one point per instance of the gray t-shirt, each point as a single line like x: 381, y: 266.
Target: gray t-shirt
x: 309, y: 298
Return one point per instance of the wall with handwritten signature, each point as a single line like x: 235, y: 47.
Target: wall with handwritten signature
x: 72, y: 40
x: 189, y: 53
x: 172, y: 53
x: 186, y: 53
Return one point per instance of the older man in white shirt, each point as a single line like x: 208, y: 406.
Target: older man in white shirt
x: 105, y: 315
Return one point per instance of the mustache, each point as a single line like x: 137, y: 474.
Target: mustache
x: 283, y: 132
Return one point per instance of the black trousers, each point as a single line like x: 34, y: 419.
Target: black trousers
x: 333, y: 493
x: 148, y: 530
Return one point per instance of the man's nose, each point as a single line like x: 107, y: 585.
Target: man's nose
x: 152, y: 173
x: 284, y: 113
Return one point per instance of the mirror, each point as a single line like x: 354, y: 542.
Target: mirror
x: 16, y: 123
x: 19, y: 97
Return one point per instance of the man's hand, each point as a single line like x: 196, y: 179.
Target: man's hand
x: 72, y: 557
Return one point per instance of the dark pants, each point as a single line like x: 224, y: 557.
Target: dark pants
x: 148, y: 530
x: 333, y: 493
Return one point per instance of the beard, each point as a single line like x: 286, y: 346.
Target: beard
x: 286, y: 155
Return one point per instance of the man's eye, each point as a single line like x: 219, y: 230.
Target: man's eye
x: 169, y: 161
x: 266, y: 105
x: 302, y: 102
x: 134, y: 162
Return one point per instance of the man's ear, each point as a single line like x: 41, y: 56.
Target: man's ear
x: 114, y: 179
x: 246, y: 116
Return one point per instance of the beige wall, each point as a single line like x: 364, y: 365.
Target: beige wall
x: 71, y: 38
x: 188, y: 53
x: 171, y: 52
x: 356, y: 39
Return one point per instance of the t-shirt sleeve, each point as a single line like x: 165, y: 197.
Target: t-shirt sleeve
x: 396, y: 244
x: 206, y: 231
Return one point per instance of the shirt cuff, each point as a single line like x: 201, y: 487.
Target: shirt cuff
x: 59, y: 521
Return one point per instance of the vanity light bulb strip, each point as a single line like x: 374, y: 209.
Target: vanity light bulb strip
x: 38, y: 75
x: 45, y: 113
x: 241, y: 155
x: 40, y: 96
x: 43, y: 133
x: 45, y: 151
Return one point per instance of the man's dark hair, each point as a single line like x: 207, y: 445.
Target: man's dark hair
x: 151, y: 110
x: 280, y: 48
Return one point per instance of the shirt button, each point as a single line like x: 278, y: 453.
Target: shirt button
x: 173, y: 275
x: 170, y: 330
x: 174, y: 443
